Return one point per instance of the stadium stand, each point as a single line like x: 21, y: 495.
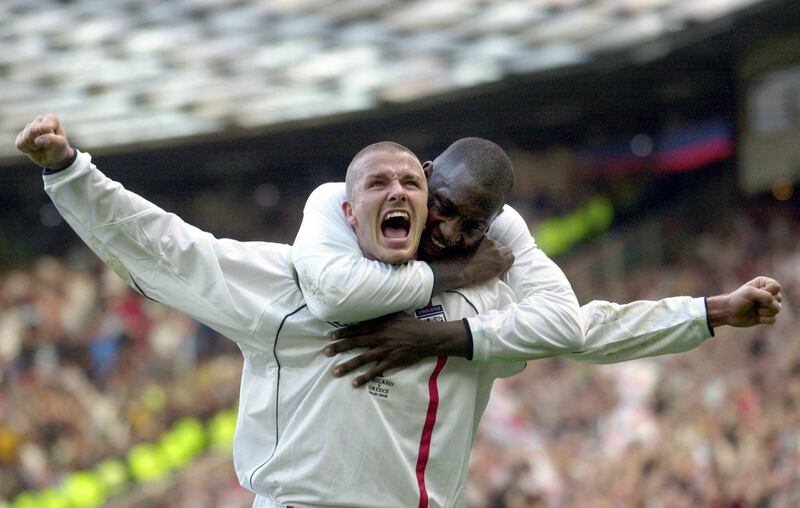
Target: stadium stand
x: 126, y: 71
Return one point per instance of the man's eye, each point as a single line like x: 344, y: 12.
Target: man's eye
x: 473, y: 230
x: 444, y: 209
x: 412, y: 184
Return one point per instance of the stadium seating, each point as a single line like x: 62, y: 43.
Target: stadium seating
x: 120, y: 72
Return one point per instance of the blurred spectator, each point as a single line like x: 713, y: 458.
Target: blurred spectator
x: 715, y: 427
x: 88, y: 368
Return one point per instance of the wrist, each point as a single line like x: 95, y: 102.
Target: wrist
x: 452, y: 339
x: 66, y: 162
x: 448, y: 275
x: 718, y: 310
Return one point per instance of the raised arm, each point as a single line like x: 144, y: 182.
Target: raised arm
x: 340, y: 284
x: 223, y: 283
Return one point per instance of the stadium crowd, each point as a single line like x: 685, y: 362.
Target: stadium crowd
x: 89, y: 368
x: 717, y: 426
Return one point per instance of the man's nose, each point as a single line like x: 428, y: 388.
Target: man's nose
x: 451, y: 231
x: 397, y: 192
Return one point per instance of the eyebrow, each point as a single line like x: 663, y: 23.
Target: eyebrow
x: 376, y: 175
x: 446, y: 203
x: 386, y: 173
x: 449, y: 206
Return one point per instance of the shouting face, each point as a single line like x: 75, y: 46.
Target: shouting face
x: 387, y: 203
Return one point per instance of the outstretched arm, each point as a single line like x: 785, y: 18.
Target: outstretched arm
x: 219, y: 282
x: 340, y: 284
x: 617, y: 333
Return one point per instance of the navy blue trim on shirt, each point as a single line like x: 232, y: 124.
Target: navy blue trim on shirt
x: 466, y: 323
x: 469, y: 336
x: 708, y: 318
x: 141, y: 290
x: 277, y: 391
x: 49, y: 171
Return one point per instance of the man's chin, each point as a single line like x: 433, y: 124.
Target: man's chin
x: 397, y: 256
x: 429, y: 255
x: 430, y: 252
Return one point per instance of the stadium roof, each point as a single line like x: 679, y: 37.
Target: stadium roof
x: 122, y: 72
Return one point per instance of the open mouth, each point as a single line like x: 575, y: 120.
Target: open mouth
x: 396, y: 225
x: 437, y: 243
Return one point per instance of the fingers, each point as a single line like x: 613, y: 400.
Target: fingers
x: 768, y: 305
x: 489, y: 242
x: 507, y: 256
x: 44, y: 141
x: 766, y: 283
x: 372, y: 374
x: 42, y: 132
x: 774, y: 287
x: 46, y: 125
x: 347, y: 344
x: 348, y: 332
x: 769, y: 311
x: 763, y: 298
x: 767, y: 320
x: 356, y: 362
x: 362, y: 328
x: 25, y: 139
x: 20, y: 143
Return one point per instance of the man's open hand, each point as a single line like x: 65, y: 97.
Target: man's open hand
x: 757, y: 302
x: 394, y: 341
x: 45, y: 143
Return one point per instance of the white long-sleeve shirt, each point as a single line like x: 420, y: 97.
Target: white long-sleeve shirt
x: 303, y: 437
x: 340, y: 284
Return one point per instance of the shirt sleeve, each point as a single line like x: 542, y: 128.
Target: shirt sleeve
x: 225, y: 284
x: 545, y: 320
x: 618, y: 333
x: 610, y: 332
x: 338, y: 283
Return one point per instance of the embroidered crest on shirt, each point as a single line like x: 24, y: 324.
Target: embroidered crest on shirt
x: 431, y: 313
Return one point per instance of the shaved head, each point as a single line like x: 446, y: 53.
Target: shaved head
x: 467, y: 186
x: 355, y: 166
x: 386, y: 204
x: 485, y: 161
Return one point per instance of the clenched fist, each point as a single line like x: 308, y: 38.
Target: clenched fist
x: 757, y: 302
x: 44, y: 142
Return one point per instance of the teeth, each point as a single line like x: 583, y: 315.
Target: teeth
x: 436, y: 243
x: 392, y: 215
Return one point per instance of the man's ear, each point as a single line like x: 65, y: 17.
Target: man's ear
x: 427, y: 167
x: 348, y: 213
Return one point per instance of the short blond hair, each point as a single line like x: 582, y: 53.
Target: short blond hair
x: 353, y: 169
